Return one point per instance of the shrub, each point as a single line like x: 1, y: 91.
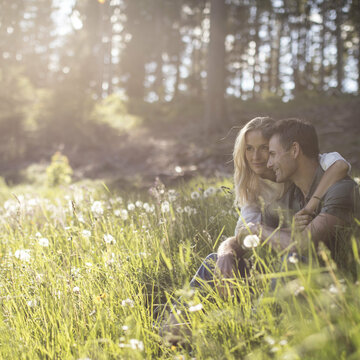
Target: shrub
x: 59, y: 171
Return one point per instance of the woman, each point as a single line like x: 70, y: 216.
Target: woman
x: 255, y: 185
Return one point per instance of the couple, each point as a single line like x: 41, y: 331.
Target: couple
x: 278, y: 166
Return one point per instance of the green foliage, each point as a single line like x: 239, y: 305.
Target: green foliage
x: 59, y: 171
x: 113, y: 111
x: 92, y: 281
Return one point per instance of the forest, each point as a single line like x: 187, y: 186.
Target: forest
x: 118, y: 120
x: 73, y: 70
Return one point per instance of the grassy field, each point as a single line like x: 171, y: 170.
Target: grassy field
x: 86, y: 273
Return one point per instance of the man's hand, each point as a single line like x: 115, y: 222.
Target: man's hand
x: 302, y: 219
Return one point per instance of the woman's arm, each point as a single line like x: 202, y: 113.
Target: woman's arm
x: 250, y: 213
x: 337, y: 171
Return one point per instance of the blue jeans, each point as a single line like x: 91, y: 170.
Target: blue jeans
x: 205, y: 273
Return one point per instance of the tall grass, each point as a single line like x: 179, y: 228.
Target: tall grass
x: 88, y: 273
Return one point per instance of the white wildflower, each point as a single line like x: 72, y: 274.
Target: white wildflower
x: 283, y: 342
x: 298, y: 290
x: 251, y: 241
x: 293, y: 259
x: 117, y: 212
x: 88, y: 264
x: 195, y: 308
x: 97, y: 208
x: 128, y: 302
x: 139, y: 204
x: 75, y: 271
x: 23, y: 255
x: 165, y: 206
x: 109, y: 239
x: 124, y: 214
x: 172, y: 195
x: 179, y: 210
x: 80, y: 218
x: 195, y: 195
x: 187, y: 209
x: 31, y: 303
x: 38, y: 235
x: 136, y: 344
x: 125, y: 328
x: 131, y: 207
x: 44, y: 242
x: 209, y: 191
x: 86, y: 233
x: 76, y: 290
x: 270, y: 340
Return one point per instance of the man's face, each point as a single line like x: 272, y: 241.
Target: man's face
x: 281, y: 161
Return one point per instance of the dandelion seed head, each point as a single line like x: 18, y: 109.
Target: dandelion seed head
x: 124, y: 214
x: 209, y: 191
x: 165, y: 207
x: 270, y: 340
x: 195, y: 308
x: 23, y: 255
x: 76, y: 290
x: 298, y: 290
x: 86, y: 233
x: 251, y: 241
x: 293, y: 259
x: 109, y: 239
x: 31, y: 303
x: 128, y: 302
x: 195, y: 195
x: 44, y: 242
x: 131, y: 207
x: 136, y: 344
x: 179, y: 210
x: 97, y: 208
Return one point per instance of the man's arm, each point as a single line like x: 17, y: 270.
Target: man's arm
x: 321, y: 228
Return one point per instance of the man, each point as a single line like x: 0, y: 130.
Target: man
x: 293, y: 156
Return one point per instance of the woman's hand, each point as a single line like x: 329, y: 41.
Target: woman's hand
x: 302, y: 219
x: 225, y: 266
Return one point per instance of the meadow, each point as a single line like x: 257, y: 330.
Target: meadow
x: 88, y: 272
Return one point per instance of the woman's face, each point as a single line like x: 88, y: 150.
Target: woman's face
x: 257, y: 153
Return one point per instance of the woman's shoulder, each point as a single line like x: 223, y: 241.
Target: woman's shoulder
x: 270, y: 190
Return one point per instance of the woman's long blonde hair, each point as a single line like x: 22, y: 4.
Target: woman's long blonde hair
x: 246, y: 182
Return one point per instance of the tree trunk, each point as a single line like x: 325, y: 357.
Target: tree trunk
x: 278, y: 56
x: 339, y: 47
x: 215, y: 112
x: 322, y: 48
x: 256, y: 55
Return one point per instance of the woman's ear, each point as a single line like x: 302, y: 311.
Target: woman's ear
x: 295, y: 149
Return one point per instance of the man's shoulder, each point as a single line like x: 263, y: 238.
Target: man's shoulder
x: 342, y: 199
x: 346, y: 187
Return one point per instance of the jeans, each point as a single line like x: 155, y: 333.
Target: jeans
x: 205, y: 272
